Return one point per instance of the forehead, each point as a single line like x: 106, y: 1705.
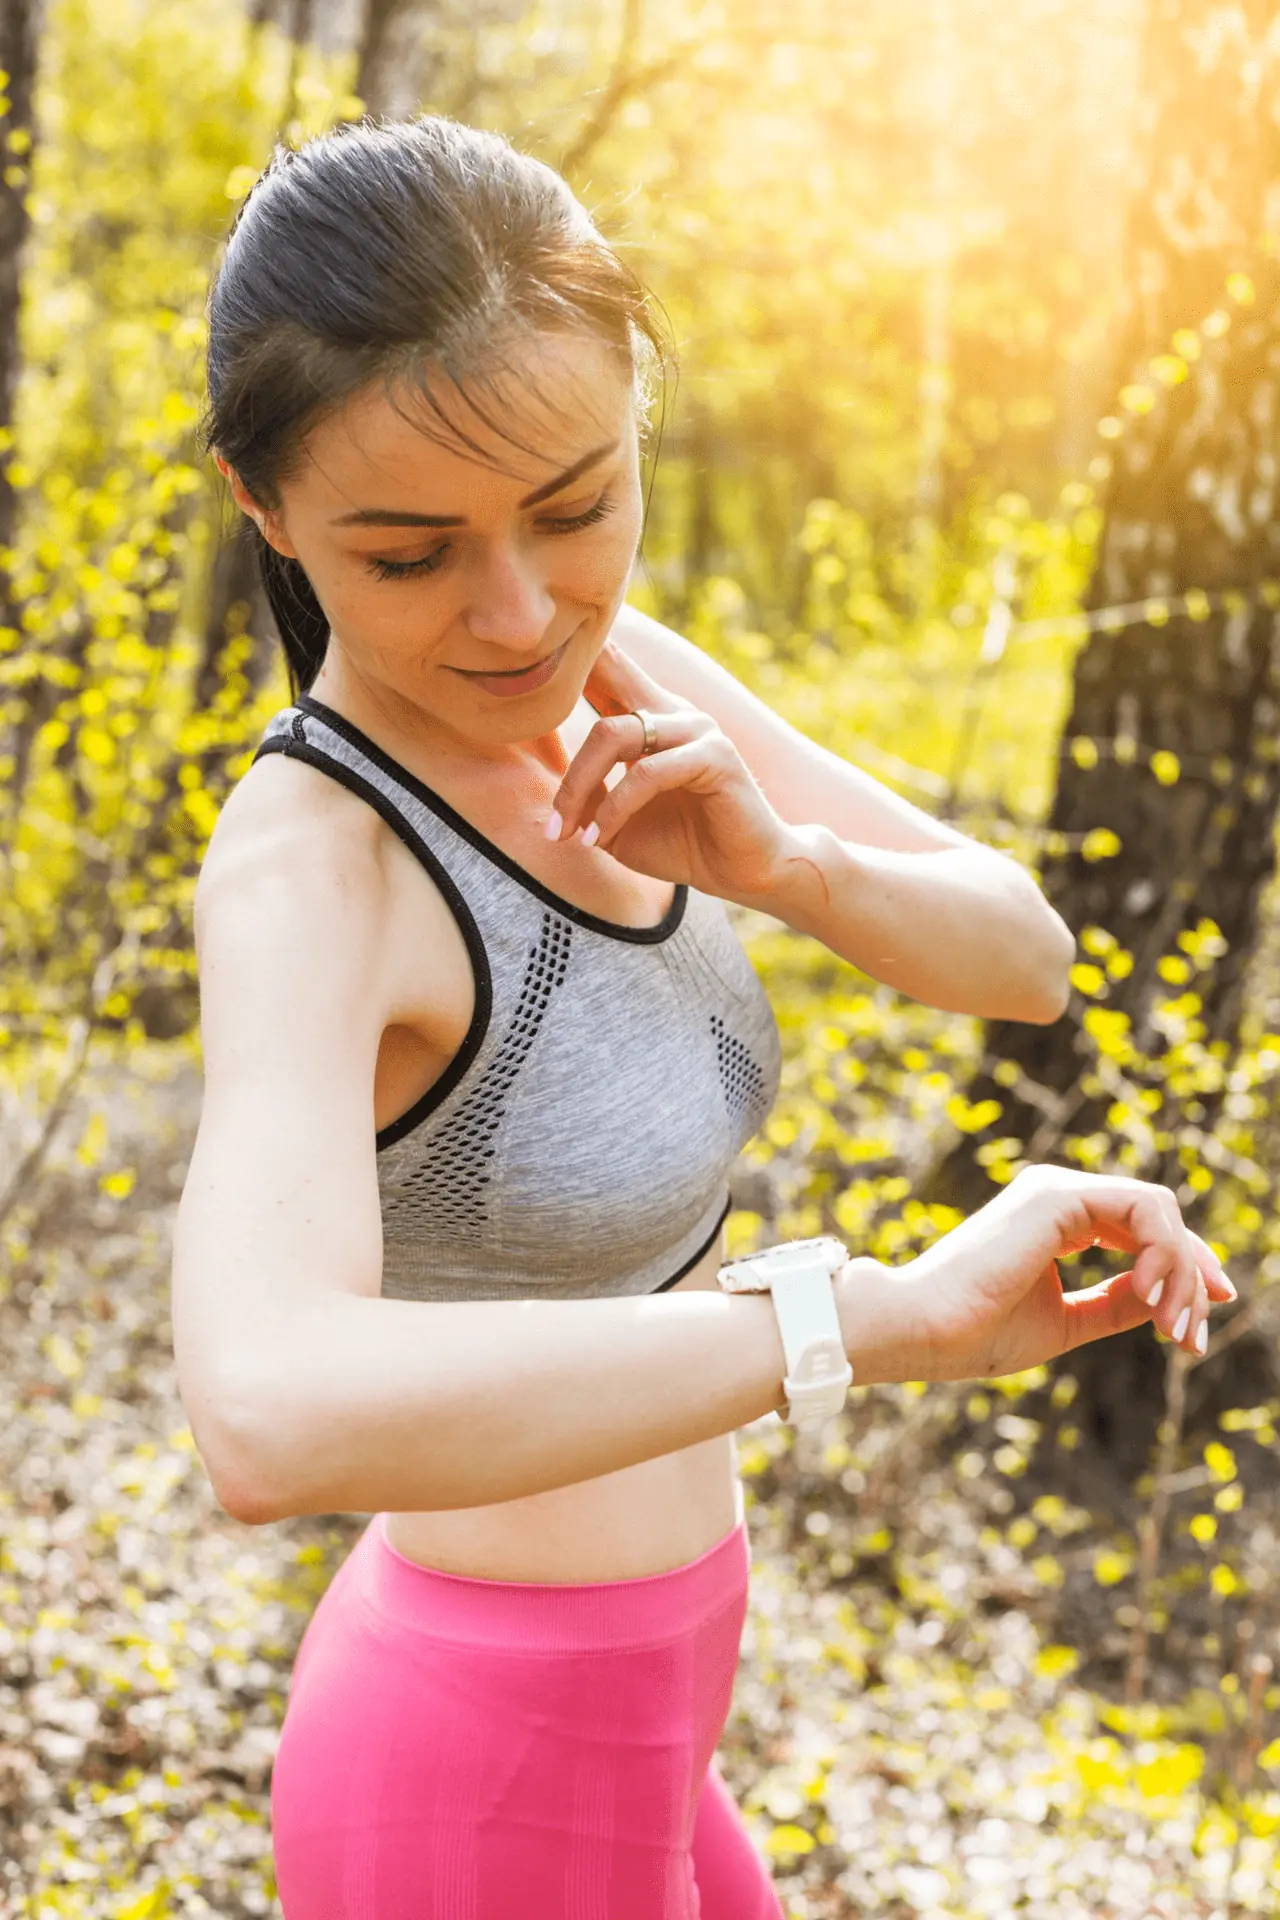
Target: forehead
x: 501, y: 435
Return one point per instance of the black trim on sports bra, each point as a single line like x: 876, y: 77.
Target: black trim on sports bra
x: 613, y: 929
x: 297, y: 748
x: 693, y: 1259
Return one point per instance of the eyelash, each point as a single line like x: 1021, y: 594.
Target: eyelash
x: 399, y: 569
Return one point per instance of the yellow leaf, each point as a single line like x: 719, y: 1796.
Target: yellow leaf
x: 1170, y: 1773
x: 788, y: 1839
x: 64, y: 1356
x: 146, y: 1907
x: 1100, y: 844
x: 1110, y: 1566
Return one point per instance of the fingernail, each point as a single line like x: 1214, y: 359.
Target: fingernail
x: 553, y: 826
x: 1153, y: 1298
x: 1227, y: 1283
x: 1181, y: 1324
x: 590, y: 835
x: 1202, y: 1336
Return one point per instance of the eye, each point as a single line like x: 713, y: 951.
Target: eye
x: 570, y: 523
x: 399, y: 569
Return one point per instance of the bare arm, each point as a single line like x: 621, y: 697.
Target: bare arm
x: 364, y: 1405
x: 907, y: 898
x: 962, y: 928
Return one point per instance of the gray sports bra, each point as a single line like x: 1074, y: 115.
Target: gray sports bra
x: 579, y: 1142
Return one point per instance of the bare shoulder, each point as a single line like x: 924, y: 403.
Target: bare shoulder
x: 300, y: 867
x: 292, y: 918
x: 287, y: 821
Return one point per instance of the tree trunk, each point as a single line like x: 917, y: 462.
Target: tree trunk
x: 370, y: 80
x: 20, y: 23
x: 1169, y: 776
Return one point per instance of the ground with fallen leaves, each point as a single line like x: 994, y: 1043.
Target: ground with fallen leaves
x: 920, y: 1745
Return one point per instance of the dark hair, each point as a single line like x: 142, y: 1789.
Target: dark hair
x: 379, y: 251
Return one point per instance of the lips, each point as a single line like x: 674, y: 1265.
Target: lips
x: 528, y: 680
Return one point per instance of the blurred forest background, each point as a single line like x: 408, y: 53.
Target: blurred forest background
x: 971, y: 470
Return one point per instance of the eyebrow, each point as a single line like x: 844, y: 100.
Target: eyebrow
x: 389, y: 517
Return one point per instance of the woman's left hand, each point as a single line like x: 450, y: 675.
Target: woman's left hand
x: 690, y: 810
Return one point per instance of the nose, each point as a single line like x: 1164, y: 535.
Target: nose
x: 509, y: 605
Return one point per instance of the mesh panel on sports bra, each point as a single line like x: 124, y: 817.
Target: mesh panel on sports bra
x: 580, y: 1142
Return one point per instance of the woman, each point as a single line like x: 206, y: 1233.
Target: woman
x: 480, y: 1051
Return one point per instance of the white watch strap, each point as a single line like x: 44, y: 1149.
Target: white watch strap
x: 800, y: 1276
x: 818, y: 1373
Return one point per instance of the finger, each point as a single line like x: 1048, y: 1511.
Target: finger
x: 619, y: 738
x: 1191, y: 1328
x: 1118, y: 1236
x: 1094, y: 1313
x: 1175, y: 1314
x: 1135, y: 1214
x: 682, y: 766
x: 1212, y: 1271
x: 1177, y: 1288
x: 617, y: 683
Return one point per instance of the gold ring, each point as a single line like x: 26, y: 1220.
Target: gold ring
x: 650, y: 730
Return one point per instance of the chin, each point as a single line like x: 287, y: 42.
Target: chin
x: 533, y: 718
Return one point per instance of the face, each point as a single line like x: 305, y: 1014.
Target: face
x: 470, y: 596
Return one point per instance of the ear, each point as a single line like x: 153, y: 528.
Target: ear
x: 239, y: 492
x: 247, y: 504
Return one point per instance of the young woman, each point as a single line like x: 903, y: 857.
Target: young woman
x: 480, y: 1051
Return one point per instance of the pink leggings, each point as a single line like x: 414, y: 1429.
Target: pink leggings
x: 459, y: 1749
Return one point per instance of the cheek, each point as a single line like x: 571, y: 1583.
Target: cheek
x: 387, y: 623
x: 601, y: 565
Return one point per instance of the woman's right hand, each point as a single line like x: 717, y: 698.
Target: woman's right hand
x: 987, y: 1299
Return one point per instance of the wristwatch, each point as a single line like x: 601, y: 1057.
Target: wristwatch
x: 798, y: 1274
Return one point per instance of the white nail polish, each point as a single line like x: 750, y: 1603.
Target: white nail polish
x: 553, y: 826
x: 1153, y: 1298
x: 1181, y: 1324
x: 590, y: 835
x: 1202, y: 1336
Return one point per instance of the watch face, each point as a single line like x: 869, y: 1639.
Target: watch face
x: 824, y: 1243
